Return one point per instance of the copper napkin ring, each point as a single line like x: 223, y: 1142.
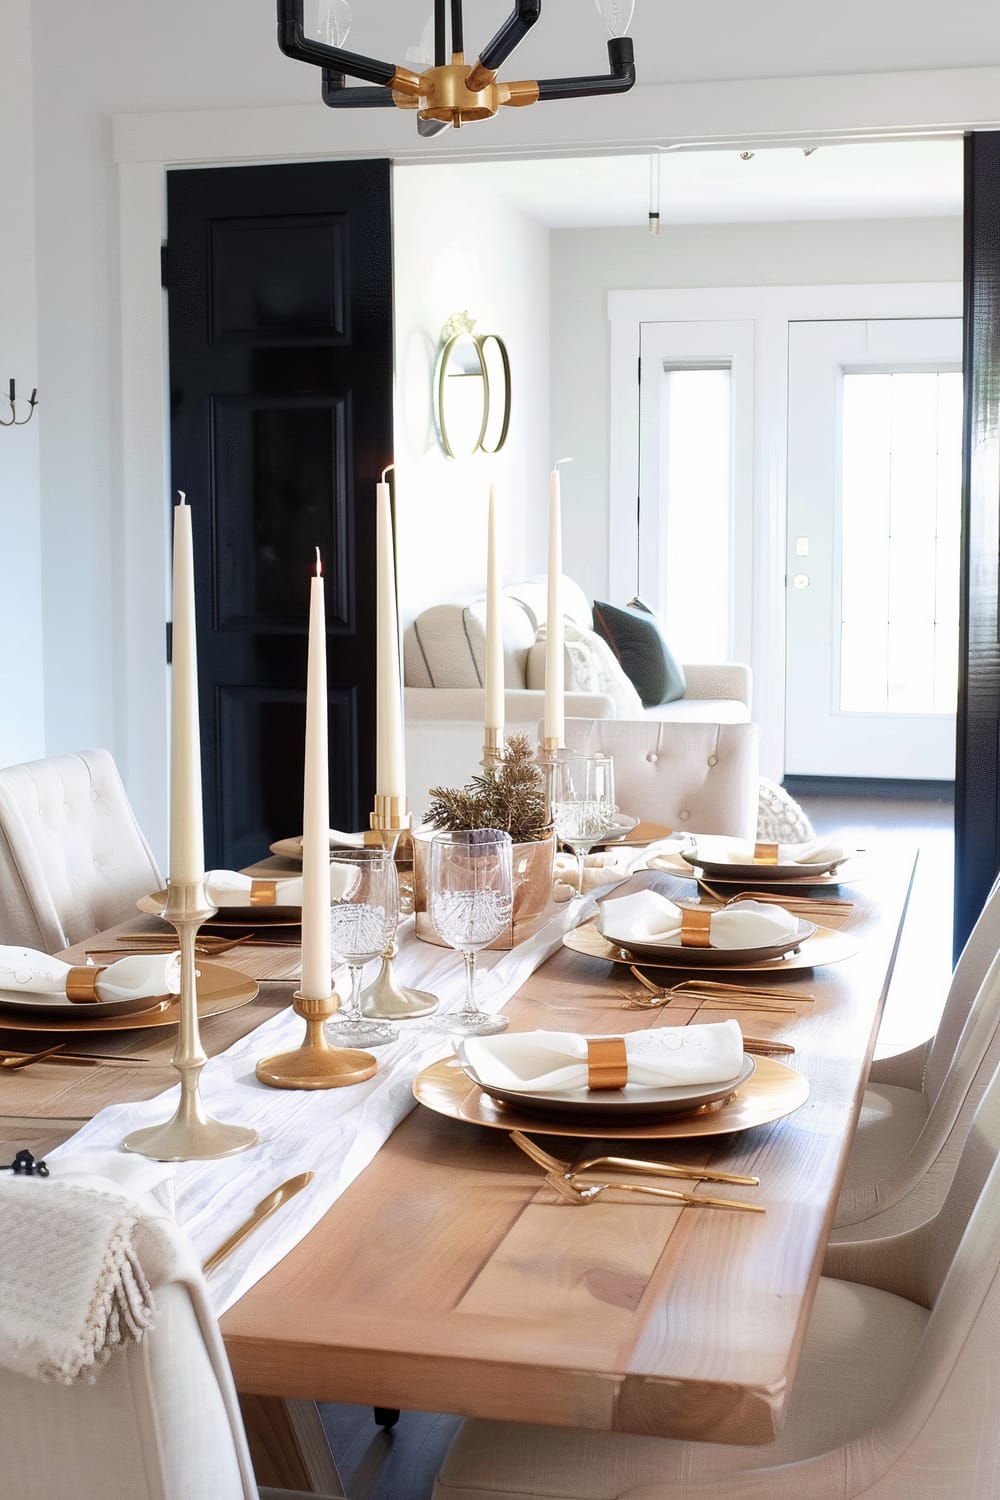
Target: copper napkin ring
x: 765, y: 854
x: 695, y: 925
x: 81, y: 983
x: 607, y: 1062
x: 263, y: 893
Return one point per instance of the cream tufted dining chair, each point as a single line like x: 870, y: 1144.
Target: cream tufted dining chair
x: 895, y: 1397
x: 73, y: 859
x: 701, y: 777
x: 160, y: 1421
x: 910, y: 1135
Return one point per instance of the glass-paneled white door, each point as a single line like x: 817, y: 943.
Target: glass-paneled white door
x: 874, y: 485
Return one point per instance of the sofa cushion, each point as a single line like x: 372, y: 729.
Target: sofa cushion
x: 590, y: 667
x: 636, y: 637
x: 446, y: 645
x: 533, y: 594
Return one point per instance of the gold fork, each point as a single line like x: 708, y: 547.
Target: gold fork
x: 818, y: 904
x: 573, y: 1192
x: 569, y: 1170
x: 714, y: 993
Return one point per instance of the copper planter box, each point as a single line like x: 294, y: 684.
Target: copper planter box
x: 533, y: 904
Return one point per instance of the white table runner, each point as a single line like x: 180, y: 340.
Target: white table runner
x: 334, y: 1133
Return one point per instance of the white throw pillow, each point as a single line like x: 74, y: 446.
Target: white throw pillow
x: 590, y: 667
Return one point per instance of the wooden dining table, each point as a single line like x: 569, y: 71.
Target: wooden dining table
x: 450, y: 1277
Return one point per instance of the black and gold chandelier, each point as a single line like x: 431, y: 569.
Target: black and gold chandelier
x: 448, y: 93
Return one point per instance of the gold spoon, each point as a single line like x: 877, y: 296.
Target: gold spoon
x: 28, y: 1058
x: 265, y: 1208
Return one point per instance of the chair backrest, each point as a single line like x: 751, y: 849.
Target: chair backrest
x: 73, y: 859
x: 938, y: 1439
x: 980, y: 950
x: 160, y: 1420
x: 701, y: 777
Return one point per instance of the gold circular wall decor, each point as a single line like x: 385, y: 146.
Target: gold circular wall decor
x: 471, y: 389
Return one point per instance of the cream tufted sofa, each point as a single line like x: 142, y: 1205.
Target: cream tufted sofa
x: 443, y: 669
x: 73, y: 859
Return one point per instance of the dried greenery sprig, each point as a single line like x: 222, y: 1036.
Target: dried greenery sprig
x: 510, y: 796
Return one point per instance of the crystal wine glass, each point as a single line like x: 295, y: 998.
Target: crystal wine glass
x: 362, y: 924
x: 583, y: 805
x: 470, y: 899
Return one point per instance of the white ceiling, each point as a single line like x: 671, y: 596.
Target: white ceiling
x: 912, y: 179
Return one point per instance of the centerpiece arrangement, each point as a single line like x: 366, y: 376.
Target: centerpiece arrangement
x: 508, y: 794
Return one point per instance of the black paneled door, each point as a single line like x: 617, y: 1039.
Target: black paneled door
x: 280, y: 320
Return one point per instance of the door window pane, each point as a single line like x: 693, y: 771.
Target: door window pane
x: 900, y: 491
x: 697, y: 469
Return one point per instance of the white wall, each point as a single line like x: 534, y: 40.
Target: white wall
x: 22, y: 726
x: 455, y: 250
x: 587, y: 264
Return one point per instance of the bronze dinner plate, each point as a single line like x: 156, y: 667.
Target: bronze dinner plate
x: 773, y: 1091
x: 825, y: 947
x: 219, y: 989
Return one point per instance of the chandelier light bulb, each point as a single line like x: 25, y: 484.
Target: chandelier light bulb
x: 335, y: 20
x: 616, y: 15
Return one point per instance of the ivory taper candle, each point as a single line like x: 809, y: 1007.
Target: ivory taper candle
x: 555, y: 672
x: 493, y: 715
x: 187, y: 839
x: 315, y: 982
x: 390, y: 762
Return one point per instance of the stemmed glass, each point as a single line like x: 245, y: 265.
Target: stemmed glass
x: 583, y: 805
x: 362, y: 924
x: 470, y: 900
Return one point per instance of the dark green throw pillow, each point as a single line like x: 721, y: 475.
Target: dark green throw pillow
x: 636, y: 637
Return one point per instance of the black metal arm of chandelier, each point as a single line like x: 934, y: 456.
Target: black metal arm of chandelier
x: 447, y: 93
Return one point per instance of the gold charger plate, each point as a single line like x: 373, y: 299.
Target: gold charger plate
x: 231, y: 916
x: 824, y: 947
x: 774, y: 1090
x: 219, y: 989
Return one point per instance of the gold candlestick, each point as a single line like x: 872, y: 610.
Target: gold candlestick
x: 385, y: 999
x: 192, y: 1135
x: 315, y: 1064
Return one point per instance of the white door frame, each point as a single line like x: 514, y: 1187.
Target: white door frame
x: 762, y: 112
x: 771, y: 309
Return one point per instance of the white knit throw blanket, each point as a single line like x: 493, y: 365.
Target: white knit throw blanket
x: 71, y: 1286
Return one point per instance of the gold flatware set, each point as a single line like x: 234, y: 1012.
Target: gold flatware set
x: 12, y: 1060
x: 562, y: 1177
x: 803, y: 906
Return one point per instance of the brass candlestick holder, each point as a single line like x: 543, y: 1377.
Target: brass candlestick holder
x: 385, y: 999
x: 315, y: 1065
x: 547, y: 756
x: 192, y: 1135
x: 492, y: 746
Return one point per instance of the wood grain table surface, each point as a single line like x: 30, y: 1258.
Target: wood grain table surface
x: 449, y: 1278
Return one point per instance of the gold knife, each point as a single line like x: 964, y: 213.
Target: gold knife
x: 265, y: 1208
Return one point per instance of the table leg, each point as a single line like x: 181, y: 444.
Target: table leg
x: 288, y: 1445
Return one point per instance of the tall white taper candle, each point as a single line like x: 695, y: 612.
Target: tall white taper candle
x: 390, y: 762
x: 315, y: 983
x: 555, y: 674
x: 493, y: 715
x: 187, y: 839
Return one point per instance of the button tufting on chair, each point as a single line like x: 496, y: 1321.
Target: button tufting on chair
x: 73, y: 859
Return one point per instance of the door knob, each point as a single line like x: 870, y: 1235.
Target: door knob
x: 801, y: 581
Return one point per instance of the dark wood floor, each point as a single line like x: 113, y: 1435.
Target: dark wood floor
x: 401, y: 1464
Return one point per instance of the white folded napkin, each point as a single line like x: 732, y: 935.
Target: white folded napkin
x: 151, y: 974
x: 724, y: 851
x: 646, y: 917
x: 599, y: 870
x: 556, y: 1061
x: 229, y: 888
